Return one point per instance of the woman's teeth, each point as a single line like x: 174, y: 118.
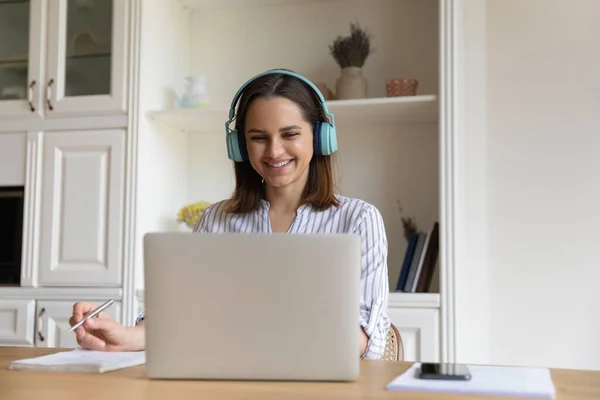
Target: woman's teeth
x: 281, y: 164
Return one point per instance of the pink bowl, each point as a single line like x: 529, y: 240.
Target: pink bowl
x: 402, y: 87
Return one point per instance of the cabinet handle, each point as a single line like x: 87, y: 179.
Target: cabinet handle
x: 30, y: 95
x: 49, y: 93
x: 39, y: 332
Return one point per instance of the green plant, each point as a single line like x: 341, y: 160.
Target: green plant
x: 352, y: 50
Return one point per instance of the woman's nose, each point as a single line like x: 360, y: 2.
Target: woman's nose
x: 275, y: 148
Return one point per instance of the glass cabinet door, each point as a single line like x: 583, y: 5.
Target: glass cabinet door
x: 20, y: 23
x: 86, y: 56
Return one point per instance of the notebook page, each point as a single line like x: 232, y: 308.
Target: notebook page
x: 485, y: 380
x: 80, y: 360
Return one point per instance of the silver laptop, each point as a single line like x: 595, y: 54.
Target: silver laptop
x: 252, y: 306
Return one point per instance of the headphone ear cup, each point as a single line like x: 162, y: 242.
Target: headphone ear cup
x: 317, y: 136
x: 332, y: 138
x: 327, y: 142
x: 233, y: 146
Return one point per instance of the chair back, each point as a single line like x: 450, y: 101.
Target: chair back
x: 394, y: 348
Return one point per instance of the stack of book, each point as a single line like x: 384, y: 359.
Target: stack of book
x: 420, y: 262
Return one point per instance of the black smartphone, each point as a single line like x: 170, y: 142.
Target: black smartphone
x: 447, y: 371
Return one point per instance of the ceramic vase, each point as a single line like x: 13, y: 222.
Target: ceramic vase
x: 351, y: 84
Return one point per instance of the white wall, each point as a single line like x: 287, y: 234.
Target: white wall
x: 246, y: 48
x: 543, y: 187
x: 472, y: 293
x: 162, y: 154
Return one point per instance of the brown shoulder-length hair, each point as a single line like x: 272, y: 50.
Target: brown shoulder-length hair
x: 249, y: 189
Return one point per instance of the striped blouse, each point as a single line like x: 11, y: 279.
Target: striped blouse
x: 352, y: 216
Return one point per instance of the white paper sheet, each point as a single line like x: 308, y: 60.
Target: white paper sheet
x: 80, y: 360
x: 485, y: 380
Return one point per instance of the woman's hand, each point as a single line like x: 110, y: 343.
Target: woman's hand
x: 364, y: 341
x: 103, y: 333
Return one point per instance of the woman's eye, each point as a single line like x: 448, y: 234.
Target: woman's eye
x: 290, y: 135
x: 257, y: 138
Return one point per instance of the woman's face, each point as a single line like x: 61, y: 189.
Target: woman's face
x: 279, y: 141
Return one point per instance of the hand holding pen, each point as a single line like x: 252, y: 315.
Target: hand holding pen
x: 96, y: 311
x: 97, y: 330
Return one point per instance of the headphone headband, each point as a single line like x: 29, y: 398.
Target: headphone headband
x: 276, y: 71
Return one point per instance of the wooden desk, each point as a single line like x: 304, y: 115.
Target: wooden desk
x: 131, y: 384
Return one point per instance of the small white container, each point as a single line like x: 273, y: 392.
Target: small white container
x: 192, y: 92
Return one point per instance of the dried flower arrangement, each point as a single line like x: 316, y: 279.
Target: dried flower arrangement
x: 191, y: 213
x: 409, y: 224
x: 410, y: 228
x: 353, y: 50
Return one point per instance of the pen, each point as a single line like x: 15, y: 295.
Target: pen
x: 92, y: 314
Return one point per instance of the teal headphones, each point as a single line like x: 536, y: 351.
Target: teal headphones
x: 324, y: 137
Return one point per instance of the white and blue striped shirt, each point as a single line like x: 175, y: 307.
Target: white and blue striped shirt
x: 352, y: 216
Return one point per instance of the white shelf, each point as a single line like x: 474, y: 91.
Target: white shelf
x: 413, y: 300
x: 364, y: 112
x: 70, y: 294
x: 205, y: 4
x: 395, y: 299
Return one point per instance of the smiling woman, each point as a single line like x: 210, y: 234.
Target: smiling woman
x: 285, y: 124
x: 282, y: 145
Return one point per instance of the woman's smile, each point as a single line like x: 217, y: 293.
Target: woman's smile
x: 279, y: 166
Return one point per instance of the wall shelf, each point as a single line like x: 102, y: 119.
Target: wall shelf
x: 395, y: 299
x: 413, y: 300
x: 363, y: 112
x: 207, y: 4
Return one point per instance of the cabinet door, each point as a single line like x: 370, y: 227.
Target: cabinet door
x: 419, y: 329
x: 17, y: 319
x: 21, y: 41
x: 53, y: 323
x: 82, y: 208
x: 86, y: 59
x: 13, y: 151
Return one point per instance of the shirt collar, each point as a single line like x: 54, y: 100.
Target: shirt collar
x: 304, y: 208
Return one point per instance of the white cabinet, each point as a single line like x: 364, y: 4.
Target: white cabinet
x: 86, y: 63
x: 64, y: 69
x: 419, y: 331
x: 64, y: 88
x: 12, y: 158
x: 42, y: 323
x: 82, y: 208
x: 21, y: 57
x: 64, y: 57
x: 417, y: 317
x: 17, y: 320
x: 53, y: 323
